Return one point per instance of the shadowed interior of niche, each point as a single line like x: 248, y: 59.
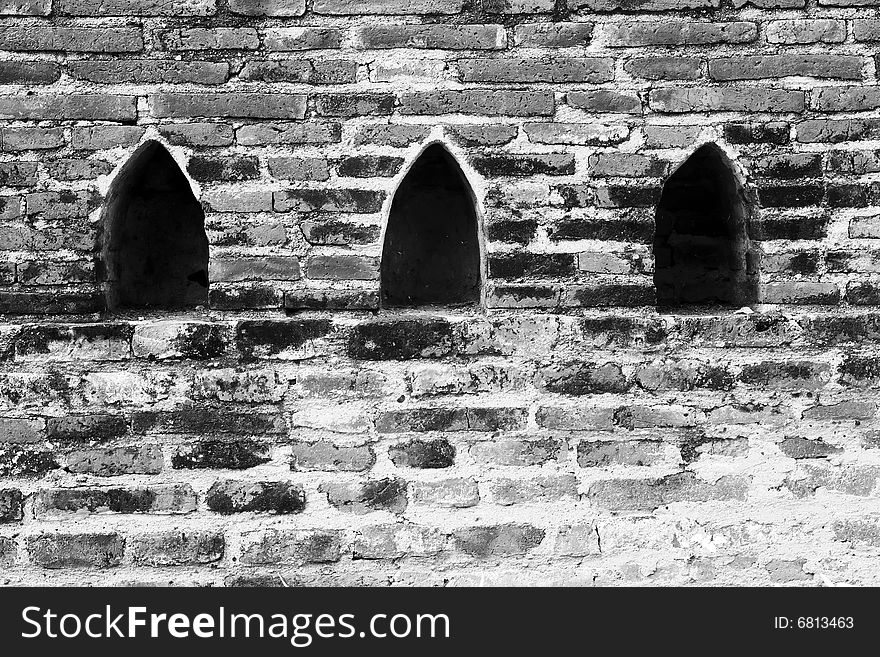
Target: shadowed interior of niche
x: 431, y: 254
x: 155, y: 248
x: 702, y: 253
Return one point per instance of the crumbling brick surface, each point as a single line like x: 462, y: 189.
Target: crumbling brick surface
x: 561, y: 430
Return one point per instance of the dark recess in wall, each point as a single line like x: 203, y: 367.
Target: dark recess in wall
x: 431, y: 254
x: 702, y: 251
x: 155, y: 248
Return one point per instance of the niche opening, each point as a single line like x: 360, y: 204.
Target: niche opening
x: 431, y: 254
x: 702, y: 254
x: 155, y: 248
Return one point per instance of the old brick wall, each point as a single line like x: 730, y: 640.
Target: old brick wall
x: 564, y: 431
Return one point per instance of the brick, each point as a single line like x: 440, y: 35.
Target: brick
x: 847, y: 99
x: 57, y: 550
x: 808, y: 31
x: 85, y: 107
x: 450, y: 493
x: 232, y: 105
x: 136, y: 8
x: 401, y: 340
x: 801, y: 292
x: 268, y: 7
x: 283, y: 339
x: 331, y: 299
x: 627, y: 165
x: 795, y: 165
x: 858, y: 531
x: 389, y: 494
x: 83, y: 428
x: 837, y: 130
x: 665, y: 68
x: 579, y: 378
x: 423, y: 454
x: 176, y: 548
x: 553, y: 35
x: 384, y: 7
x: 498, y: 540
x: 300, y: 71
x: 229, y: 496
x: 650, y: 494
x: 11, y: 501
x: 170, y: 339
x: 866, y: 29
x: 21, y: 72
x: 802, y: 448
x: 679, y: 100
x: 369, y: 166
x: 206, y: 38
x: 145, y: 71
x: 679, y: 33
x: 35, y: 38
x: 114, y: 461
x: 178, y: 498
x: 198, y: 134
x: 216, y: 454
x: 349, y: 105
x: 18, y: 174
x: 290, y: 547
x: 587, y: 134
x: 519, y: 164
x: 329, y: 200
x: 342, y: 267
x: 395, y: 541
x: 483, y: 135
x: 775, y: 132
x: 325, y: 456
x: 444, y: 37
x: 602, y: 101
x: 73, y: 169
x: 519, y: 452
x: 507, y: 492
x: 605, y: 453
x: 524, y: 264
x: 853, y: 480
x: 487, y: 103
x: 25, y: 7
x: 594, y: 70
x: 229, y: 168
x: 96, y: 138
x: 288, y: 39
x: 309, y: 132
x: 759, y: 67
x: 25, y: 139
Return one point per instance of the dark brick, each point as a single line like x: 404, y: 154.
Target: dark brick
x: 402, y: 340
x: 266, y: 338
x: 387, y: 494
x: 227, y: 496
x: 579, y: 378
x: 226, y: 455
x: 526, y: 264
x: 11, y: 501
x: 426, y: 454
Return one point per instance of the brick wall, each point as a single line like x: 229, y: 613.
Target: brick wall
x: 562, y: 432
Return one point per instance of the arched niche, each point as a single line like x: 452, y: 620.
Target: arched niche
x: 155, y: 248
x: 702, y: 254
x: 431, y: 252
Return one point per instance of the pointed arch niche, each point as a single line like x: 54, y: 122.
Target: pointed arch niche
x: 702, y: 254
x: 155, y: 248
x: 431, y: 252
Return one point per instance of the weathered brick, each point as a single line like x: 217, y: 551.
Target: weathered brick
x: 176, y: 548
x: 229, y: 496
x: 650, y: 494
x: 136, y: 8
x: 602, y: 101
x: 498, y: 540
x: 679, y: 33
x: 593, y: 70
x: 268, y: 7
x: 83, y: 107
x: 149, y: 71
x: 44, y: 37
x: 389, y: 494
x: 76, y: 550
x: 207, y: 38
x: 779, y: 66
x: 218, y: 454
x: 425, y: 454
x: 809, y: 31
x: 677, y: 100
x: 290, y: 547
x: 487, y: 103
x: 353, y: 7
x: 553, y: 35
x: 232, y: 105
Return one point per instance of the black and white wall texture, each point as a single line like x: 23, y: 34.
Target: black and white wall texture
x: 439, y: 292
